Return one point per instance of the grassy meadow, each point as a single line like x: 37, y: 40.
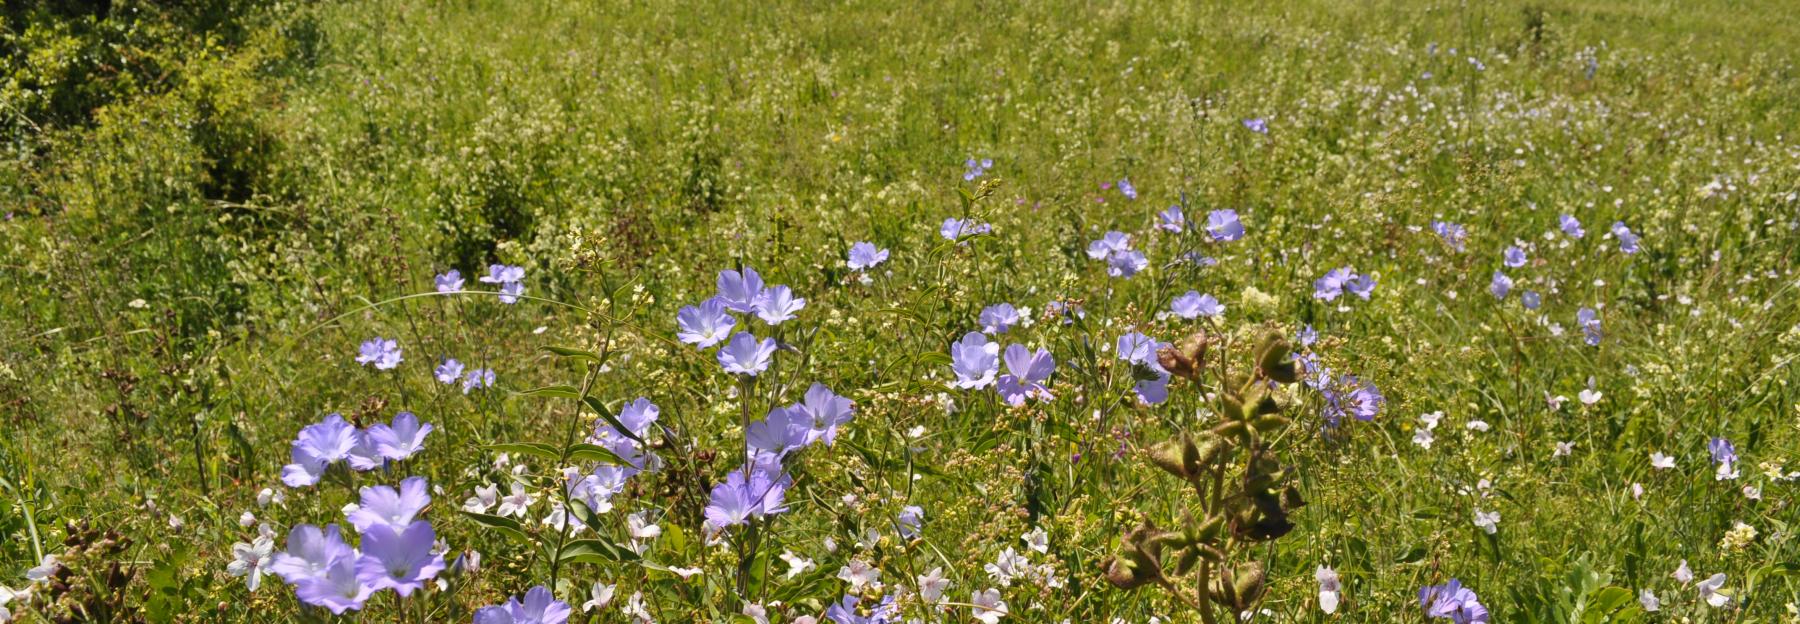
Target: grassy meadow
x: 1513, y: 304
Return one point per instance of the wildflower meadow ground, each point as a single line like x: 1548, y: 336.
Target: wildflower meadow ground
x: 882, y: 312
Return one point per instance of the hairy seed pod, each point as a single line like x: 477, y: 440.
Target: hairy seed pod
x: 1248, y: 584
x: 1186, y: 560
x: 1205, y: 531
x: 1233, y: 430
x: 1270, y: 423
x: 1232, y: 407
x: 1123, y: 573
x: 1185, y: 359
x: 1224, y: 589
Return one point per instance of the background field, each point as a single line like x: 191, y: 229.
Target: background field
x: 201, y: 204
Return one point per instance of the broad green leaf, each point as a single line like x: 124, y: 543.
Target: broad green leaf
x: 595, y: 550
x: 599, y: 407
x: 593, y: 453
x: 534, y: 449
x: 553, y: 392
x: 571, y: 352
x: 506, y: 526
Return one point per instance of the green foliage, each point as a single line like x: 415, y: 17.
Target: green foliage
x: 204, y: 199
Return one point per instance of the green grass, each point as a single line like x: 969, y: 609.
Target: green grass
x: 188, y: 273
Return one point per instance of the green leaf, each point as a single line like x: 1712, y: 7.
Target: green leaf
x: 934, y: 358
x: 1415, y: 555
x: 595, y: 550
x: 571, y: 352
x: 582, y: 513
x: 534, y: 449
x: 1604, y: 602
x: 607, y: 415
x: 553, y: 392
x: 1786, y: 568
x: 506, y: 526
x: 907, y: 314
x: 590, y: 452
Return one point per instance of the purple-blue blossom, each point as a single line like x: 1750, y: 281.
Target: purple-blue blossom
x: 477, y: 378
x: 1347, y: 396
x: 1257, y: 125
x: 745, y: 355
x: 1194, y: 305
x: 399, y: 440
x: 1513, y: 257
x: 449, y: 281
x: 1109, y: 244
x: 1722, y: 450
x: 1589, y: 320
x: 539, y: 607
x: 448, y: 371
x: 1500, y: 285
x: 1223, y: 225
x: 846, y: 612
x: 310, y: 551
x: 1628, y: 242
x: 1530, y: 299
x: 1140, y: 350
x: 1171, y: 220
x: 1570, y: 226
x: 510, y: 278
x: 738, y: 291
x: 382, y: 353
x: 1306, y: 336
x: 777, y: 304
x: 780, y: 432
x: 382, y: 505
x: 317, y: 447
x: 704, y: 325
x: 1452, y: 600
x: 1331, y: 285
x: 825, y: 411
x: 1362, y: 285
x: 1453, y: 234
x: 739, y: 498
x: 1026, y: 374
x: 401, y: 560
x: 976, y: 168
x: 864, y: 256
x: 1126, y: 264
x: 998, y: 318
x: 956, y: 229
x: 910, y: 520
x: 1126, y: 189
x: 975, y: 360
x: 337, y: 587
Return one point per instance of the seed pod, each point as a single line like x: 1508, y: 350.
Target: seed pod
x: 1169, y: 456
x: 1233, y: 430
x: 1291, y: 500
x: 1224, y: 589
x: 1205, y: 531
x: 1185, y: 562
x: 1266, y: 424
x: 1169, y: 539
x: 1272, y: 351
x: 1124, y: 573
x: 1248, y: 584
x: 1186, y: 358
x: 1285, y: 371
x: 1208, y: 449
x: 1232, y: 407
x: 1260, y: 400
